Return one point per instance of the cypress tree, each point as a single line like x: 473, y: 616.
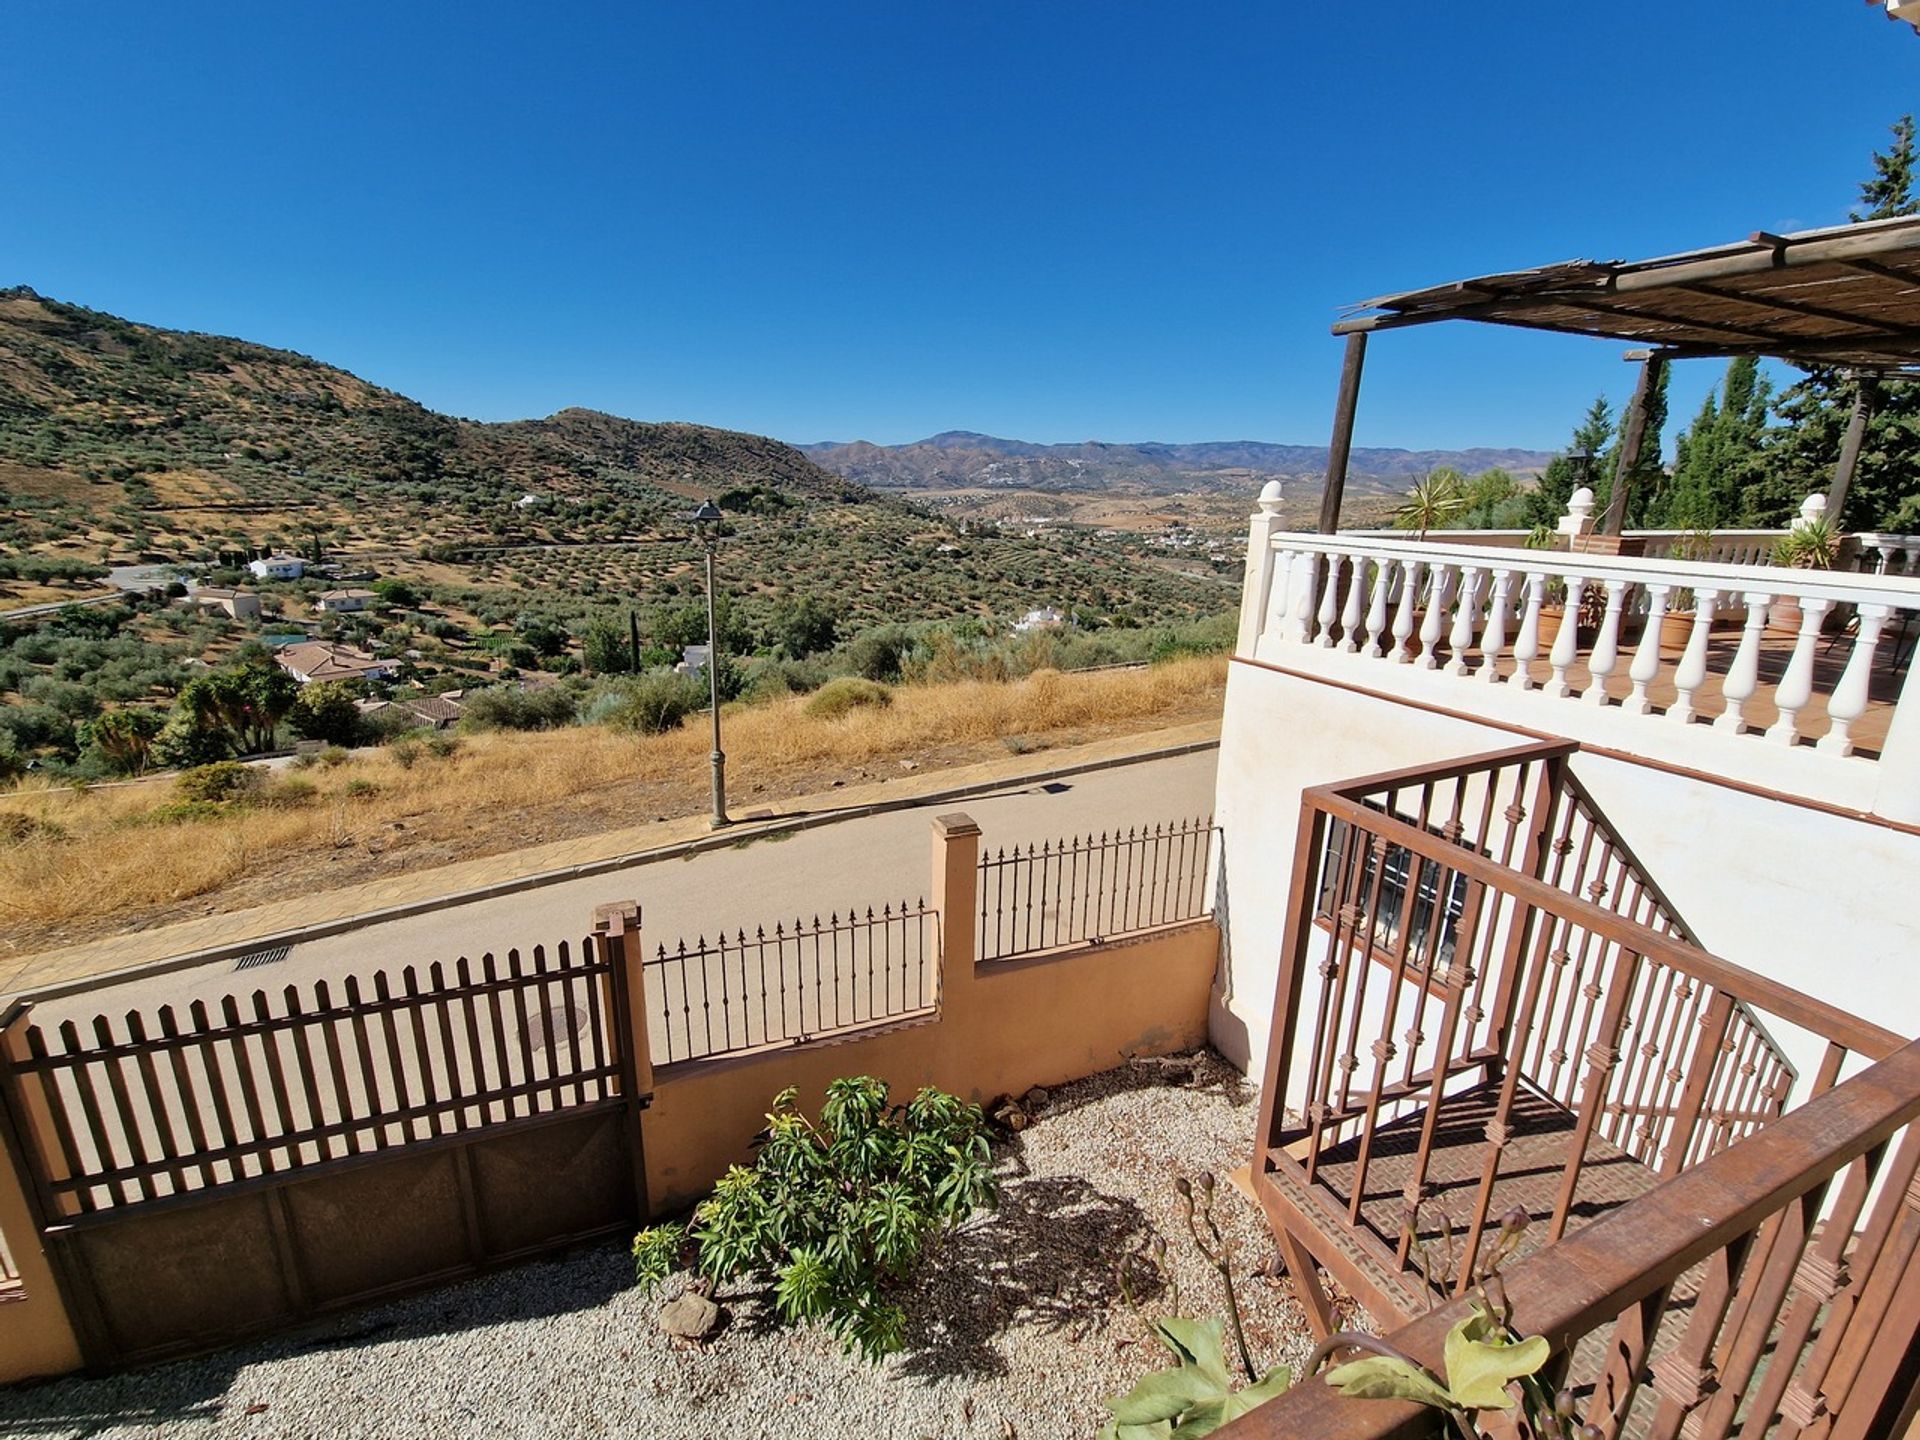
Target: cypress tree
x: 1548, y: 500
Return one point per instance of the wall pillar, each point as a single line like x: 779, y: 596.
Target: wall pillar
x: 616, y: 930
x: 954, y: 895
x: 1261, y: 527
x: 37, y: 1335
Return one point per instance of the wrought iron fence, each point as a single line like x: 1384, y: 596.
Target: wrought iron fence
x: 789, y: 984
x: 1080, y: 890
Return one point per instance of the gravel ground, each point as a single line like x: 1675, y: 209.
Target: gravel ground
x: 1017, y: 1328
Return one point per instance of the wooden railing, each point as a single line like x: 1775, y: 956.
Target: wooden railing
x: 1772, y: 1290
x: 1471, y: 943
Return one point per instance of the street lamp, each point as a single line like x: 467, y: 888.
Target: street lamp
x: 706, y: 524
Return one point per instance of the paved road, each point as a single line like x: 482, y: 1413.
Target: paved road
x: 855, y: 863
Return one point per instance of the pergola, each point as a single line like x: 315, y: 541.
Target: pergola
x: 1846, y: 296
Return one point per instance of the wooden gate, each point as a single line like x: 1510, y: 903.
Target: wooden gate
x: 202, y: 1177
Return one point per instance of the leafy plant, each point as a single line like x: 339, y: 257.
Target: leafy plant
x: 1433, y: 502
x: 1810, y: 545
x: 837, y: 1214
x: 1195, y: 1396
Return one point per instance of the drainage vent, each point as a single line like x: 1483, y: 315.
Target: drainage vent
x: 263, y: 957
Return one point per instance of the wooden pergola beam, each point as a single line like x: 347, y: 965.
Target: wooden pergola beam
x: 1340, y: 448
x: 1632, y: 434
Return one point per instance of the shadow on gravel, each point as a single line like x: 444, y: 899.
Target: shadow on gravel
x: 1200, y: 1070
x: 1045, y: 1261
x: 195, y: 1391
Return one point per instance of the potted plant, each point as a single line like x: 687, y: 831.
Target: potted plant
x: 1809, y: 545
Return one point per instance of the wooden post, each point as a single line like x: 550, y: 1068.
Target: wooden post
x: 1633, y: 432
x: 1342, y: 444
x: 955, y: 898
x: 616, y: 930
x: 1866, y: 391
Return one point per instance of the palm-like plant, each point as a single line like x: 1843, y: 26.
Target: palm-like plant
x: 1433, y: 502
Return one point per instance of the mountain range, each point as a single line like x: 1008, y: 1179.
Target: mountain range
x: 966, y: 460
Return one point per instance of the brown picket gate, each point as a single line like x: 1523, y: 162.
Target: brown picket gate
x: 323, y: 1147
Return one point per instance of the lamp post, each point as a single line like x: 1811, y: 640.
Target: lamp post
x: 706, y: 524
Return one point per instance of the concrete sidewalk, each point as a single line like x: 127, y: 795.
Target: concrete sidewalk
x: 311, y: 916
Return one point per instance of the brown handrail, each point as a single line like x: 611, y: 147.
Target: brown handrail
x: 1453, y: 769
x: 1828, y: 1021
x: 1587, y: 1281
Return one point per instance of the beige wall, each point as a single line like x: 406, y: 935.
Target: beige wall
x: 36, y: 1337
x: 1001, y: 1029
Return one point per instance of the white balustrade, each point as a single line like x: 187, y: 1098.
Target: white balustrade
x: 1361, y: 599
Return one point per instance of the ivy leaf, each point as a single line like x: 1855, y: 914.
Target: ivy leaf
x: 1481, y: 1363
x: 1383, y: 1377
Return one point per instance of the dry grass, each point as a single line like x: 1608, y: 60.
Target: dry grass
x: 97, y: 862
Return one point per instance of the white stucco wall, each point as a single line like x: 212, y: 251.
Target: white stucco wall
x: 1822, y: 902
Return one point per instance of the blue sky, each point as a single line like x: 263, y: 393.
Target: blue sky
x: 1048, y: 220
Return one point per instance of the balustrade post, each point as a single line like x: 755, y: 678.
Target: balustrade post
x: 1302, y: 602
x: 1403, y: 615
x: 1330, y: 601
x: 1849, y: 699
x: 1606, y: 648
x: 1261, y: 526
x: 1439, y: 592
x: 1566, y: 644
x: 1646, y: 659
x: 1743, y: 675
x: 1279, y: 596
x: 1526, y: 648
x: 1355, y: 608
x: 1465, y: 613
x: 1796, y: 686
x: 1693, y: 663
x: 1493, y: 639
x: 1377, y: 609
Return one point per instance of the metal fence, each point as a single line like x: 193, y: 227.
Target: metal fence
x: 149, y: 1107
x: 1094, y: 888
x: 788, y: 985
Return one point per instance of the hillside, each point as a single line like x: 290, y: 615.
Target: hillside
x: 122, y: 442
x: 960, y: 459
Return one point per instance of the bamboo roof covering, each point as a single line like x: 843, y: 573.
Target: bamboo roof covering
x: 1848, y: 295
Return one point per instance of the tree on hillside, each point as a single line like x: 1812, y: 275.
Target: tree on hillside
x: 326, y: 711
x: 1548, y: 501
x: 605, y: 647
x: 124, y: 738
x: 1801, y: 452
x: 807, y: 626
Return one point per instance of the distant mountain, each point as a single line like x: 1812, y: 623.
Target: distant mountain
x: 964, y: 460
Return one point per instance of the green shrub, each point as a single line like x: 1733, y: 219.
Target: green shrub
x: 405, y: 752
x: 845, y: 695
x: 360, y: 788
x: 334, y: 756
x: 442, y: 746
x: 839, y: 1214
x: 222, y: 780
x: 647, y: 704
x: 785, y: 677
x: 878, y: 654
x: 514, y: 709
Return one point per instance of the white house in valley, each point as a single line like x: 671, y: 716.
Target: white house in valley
x: 278, y: 567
